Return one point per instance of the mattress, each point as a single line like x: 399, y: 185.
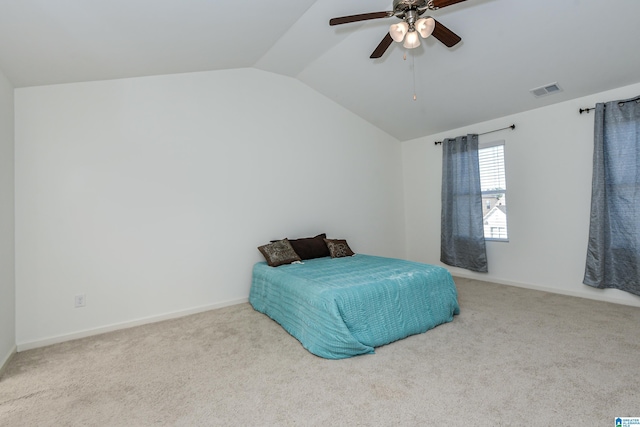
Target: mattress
x: 344, y: 307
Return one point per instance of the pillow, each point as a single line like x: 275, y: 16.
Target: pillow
x: 311, y: 247
x: 278, y: 253
x: 338, y: 248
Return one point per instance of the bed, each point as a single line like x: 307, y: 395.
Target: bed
x: 347, y: 306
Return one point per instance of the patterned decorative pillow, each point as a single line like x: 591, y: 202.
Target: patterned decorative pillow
x: 279, y: 253
x: 338, y: 248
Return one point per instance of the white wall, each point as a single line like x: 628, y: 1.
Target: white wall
x: 548, y: 167
x: 150, y: 195
x: 7, y: 278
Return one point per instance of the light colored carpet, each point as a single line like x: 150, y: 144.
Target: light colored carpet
x: 512, y: 357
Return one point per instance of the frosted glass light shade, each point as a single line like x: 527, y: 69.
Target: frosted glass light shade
x: 412, y: 40
x: 425, y: 26
x: 397, y: 31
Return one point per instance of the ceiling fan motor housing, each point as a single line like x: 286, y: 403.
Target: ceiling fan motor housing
x: 401, y: 6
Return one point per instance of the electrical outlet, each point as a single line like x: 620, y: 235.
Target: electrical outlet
x: 80, y: 300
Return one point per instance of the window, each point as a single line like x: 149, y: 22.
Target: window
x: 494, y: 190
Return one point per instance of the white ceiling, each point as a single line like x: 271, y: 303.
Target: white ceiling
x: 508, y: 47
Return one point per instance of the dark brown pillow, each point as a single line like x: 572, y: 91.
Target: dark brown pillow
x: 278, y: 253
x: 311, y: 247
x: 338, y: 248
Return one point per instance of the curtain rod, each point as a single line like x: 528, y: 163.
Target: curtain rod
x: 620, y: 103
x: 512, y: 127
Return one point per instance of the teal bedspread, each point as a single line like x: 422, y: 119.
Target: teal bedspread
x: 343, y: 307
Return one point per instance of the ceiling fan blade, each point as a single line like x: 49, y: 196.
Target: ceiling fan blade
x: 361, y: 17
x: 445, y: 35
x: 444, y: 3
x: 382, y: 47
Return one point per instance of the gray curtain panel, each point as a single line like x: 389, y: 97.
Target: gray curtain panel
x: 613, y: 252
x: 462, y: 233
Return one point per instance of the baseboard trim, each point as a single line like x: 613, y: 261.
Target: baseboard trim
x: 29, y: 345
x: 6, y: 360
x: 603, y: 298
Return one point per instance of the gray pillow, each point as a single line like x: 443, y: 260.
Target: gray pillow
x: 338, y: 248
x: 278, y: 253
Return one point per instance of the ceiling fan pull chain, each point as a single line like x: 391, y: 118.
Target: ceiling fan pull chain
x: 413, y: 59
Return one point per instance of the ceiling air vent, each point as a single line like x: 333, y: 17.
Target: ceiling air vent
x: 546, y: 90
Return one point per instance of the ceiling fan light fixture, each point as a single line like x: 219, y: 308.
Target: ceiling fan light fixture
x: 412, y: 40
x: 425, y: 26
x: 398, y: 31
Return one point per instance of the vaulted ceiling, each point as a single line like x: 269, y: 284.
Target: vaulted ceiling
x: 508, y: 47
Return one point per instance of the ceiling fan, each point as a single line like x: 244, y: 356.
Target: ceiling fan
x: 412, y: 25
